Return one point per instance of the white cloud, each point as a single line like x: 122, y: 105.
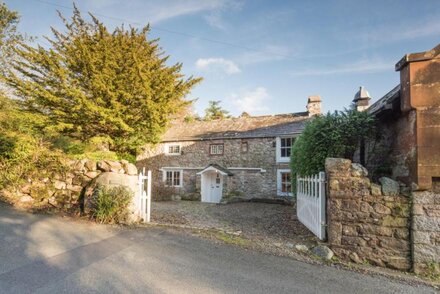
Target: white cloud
x: 266, y: 54
x: 363, y: 66
x: 215, y: 17
x: 226, y: 65
x: 399, y: 32
x: 253, y: 101
x: 157, y: 11
x: 215, y: 20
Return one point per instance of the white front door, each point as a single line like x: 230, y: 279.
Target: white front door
x: 212, y: 187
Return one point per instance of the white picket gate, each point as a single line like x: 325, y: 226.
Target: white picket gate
x: 310, y: 203
x: 144, y: 197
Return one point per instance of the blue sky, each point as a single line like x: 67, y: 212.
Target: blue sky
x: 267, y: 57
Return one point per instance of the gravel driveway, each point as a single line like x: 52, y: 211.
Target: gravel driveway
x: 273, y: 223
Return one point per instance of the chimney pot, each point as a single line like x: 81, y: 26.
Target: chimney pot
x: 362, y: 99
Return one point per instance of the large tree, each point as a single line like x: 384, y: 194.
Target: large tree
x: 215, y: 111
x: 92, y: 82
x: 9, y: 36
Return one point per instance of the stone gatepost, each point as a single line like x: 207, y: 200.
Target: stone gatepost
x: 366, y: 222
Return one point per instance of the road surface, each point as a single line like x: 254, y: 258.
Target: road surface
x: 49, y: 254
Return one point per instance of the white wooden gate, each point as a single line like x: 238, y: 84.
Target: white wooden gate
x: 144, y: 197
x: 310, y: 203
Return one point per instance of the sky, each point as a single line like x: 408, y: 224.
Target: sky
x: 267, y: 56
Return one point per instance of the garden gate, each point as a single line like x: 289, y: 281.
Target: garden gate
x: 144, y: 197
x: 310, y: 203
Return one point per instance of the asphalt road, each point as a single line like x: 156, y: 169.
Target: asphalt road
x: 47, y: 254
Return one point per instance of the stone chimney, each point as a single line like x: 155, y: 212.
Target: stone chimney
x: 362, y: 99
x: 314, y: 105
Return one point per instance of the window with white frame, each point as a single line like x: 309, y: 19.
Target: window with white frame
x: 216, y: 149
x: 173, y: 178
x: 284, y: 185
x: 284, y: 148
x: 173, y: 149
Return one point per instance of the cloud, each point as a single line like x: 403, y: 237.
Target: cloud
x: 215, y: 20
x: 215, y: 17
x: 360, y: 67
x: 226, y: 65
x: 253, y: 101
x: 157, y: 11
x: 401, y: 32
x: 268, y: 53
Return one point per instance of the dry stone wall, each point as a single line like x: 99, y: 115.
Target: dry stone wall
x: 367, y: 222
x: 63, y: 189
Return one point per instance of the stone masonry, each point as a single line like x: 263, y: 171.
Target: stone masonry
x: 426, y: 231
x: 258, y: 178
x: 63, y: 189
x: 367, y: 222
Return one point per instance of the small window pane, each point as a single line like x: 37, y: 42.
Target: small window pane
x: 176, y: 180
x: 216, y: 149
x: 174, y: 149
x: 285, y: 182
x: 169, y: 178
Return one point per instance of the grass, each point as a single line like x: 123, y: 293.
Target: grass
x: 224, y: 237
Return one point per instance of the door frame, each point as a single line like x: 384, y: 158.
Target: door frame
x: 207, y: 180
x: 205, y: 183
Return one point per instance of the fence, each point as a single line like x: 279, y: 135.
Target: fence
x: 311, y: 203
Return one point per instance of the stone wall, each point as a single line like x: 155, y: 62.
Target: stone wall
x: 367, y: 222
x: 394, y: 154
x: 261, y: 153
x: 426, y: 230
x: 62, y: 190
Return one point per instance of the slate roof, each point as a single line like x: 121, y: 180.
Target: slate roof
x: 220, y: 168
x: 240, y: 127
x: 386, y: 102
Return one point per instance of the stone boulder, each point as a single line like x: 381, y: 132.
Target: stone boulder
x: 129, y: 168
x: 112, y: 179
x: 390, y: 187
x: 323, y: 252
x: 90, y: 165
x: 103, y: 166
x: 357, y: 170
x: 301, y: 248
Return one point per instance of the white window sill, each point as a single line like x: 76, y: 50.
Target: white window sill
x: 283, y: 159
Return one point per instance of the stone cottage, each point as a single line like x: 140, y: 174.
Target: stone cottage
x: 246, y: 156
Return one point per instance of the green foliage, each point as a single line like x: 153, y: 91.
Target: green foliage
x: 93, y: 83
x: 29, y: 159
x: 111, y: 204
x: 335, y: 134
x: 95, y: 149
x: 215, y: 111
x: 9, y: 35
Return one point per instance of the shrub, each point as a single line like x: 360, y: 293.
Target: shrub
x: 111, y: 204
x: 162, y: 192
x: 337, y: 134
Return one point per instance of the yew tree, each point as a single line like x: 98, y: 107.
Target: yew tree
x: 91, y: 82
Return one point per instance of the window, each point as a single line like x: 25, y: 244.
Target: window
x: 284, y: 186
x: 173, y: 178
x: 216, y: 149
x: 244, y: 147
x: 284, y: 147
x: 172, y: 149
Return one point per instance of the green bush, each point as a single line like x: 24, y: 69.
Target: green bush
x: 111, y: 204
x: 337, y: 134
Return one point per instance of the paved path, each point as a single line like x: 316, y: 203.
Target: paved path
x: 46, y: 254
